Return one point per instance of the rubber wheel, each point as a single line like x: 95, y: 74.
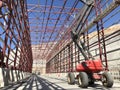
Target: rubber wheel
x: 83, y: 80
x: 107, y: 80
x: 71, y: 78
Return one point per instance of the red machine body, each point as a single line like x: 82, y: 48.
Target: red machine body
x: 90, y: 65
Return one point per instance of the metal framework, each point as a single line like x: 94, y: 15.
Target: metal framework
x: 40, y: 29
x: 15, y: 43
x: 52, y: 21
x: 68, y: 56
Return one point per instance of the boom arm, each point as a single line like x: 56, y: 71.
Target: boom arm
x: 76, y: 32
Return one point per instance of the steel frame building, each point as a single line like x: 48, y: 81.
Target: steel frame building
x: 48, y: 26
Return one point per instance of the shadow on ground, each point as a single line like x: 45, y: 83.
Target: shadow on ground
x: 33, y: 83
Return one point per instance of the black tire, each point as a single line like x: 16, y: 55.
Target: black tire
x: 71, y: 78
x: 107, y: 80
x: 83, y: 80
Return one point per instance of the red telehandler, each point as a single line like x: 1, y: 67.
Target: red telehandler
x: 90, y: 70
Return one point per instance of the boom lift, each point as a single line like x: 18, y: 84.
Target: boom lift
x: 90, y: 70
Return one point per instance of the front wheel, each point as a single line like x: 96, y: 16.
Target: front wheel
x: 83, y: 80
x: 107, y: 80
x: 71, y: 78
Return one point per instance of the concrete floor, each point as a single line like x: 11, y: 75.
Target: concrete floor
x: 51, y: 83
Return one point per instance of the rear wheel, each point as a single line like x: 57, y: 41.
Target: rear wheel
x: 71, y: 78
x: 83, y: 80
x: 107, y: 80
